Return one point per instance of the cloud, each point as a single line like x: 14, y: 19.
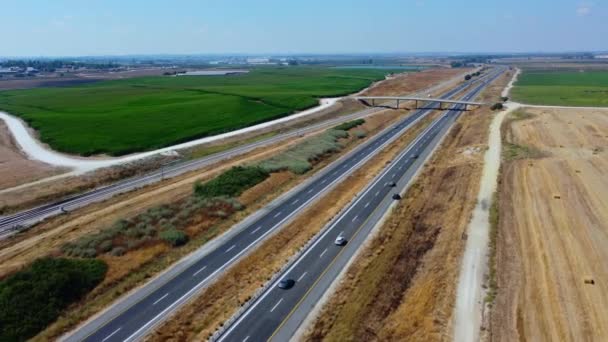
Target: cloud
x: 584, y: 8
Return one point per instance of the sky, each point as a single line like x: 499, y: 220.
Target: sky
x: 124, y: 27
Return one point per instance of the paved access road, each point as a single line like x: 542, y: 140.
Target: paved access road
x: 277, y: 313
x: 134, y: 320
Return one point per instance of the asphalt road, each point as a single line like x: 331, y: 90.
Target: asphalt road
x: 133, y: 320
x: 277, y: 313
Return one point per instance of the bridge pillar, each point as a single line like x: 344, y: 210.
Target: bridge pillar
x: 397, y: 104
x: 465, y: 107
x: 416, y: 105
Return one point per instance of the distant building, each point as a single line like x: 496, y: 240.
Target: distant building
x: 601, y: 56
x: 258, y: 60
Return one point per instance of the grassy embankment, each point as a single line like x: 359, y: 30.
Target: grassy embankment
x: 124, y: 116
x: 562, y: 88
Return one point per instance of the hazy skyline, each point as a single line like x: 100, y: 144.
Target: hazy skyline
x: 112, y: 27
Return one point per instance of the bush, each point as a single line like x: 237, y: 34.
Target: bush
x: 232, y: 182
x: 174, y: 237
x: 497, y: 106
x: 345, y: 126
x: 467, y: 77
x: 360, y: 134
x: 118, y: 251
x: 34, y: 297
x: 504, y: 98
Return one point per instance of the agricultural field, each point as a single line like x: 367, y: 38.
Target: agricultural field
x: 124, y: 116
x: 571, y: 88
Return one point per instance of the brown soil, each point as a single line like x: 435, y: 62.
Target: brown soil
x: 553, y: 230
x: 204, y: 314
x: 412, y: 82
x: 16, y: 168
x: 402, y: 286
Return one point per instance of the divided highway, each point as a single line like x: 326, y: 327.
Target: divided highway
x: 277, y: 313
x: 134, y: 316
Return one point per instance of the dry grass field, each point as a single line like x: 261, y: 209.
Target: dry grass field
x: 553, y: 228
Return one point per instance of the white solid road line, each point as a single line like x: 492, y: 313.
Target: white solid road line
x: 302, y: 276
x: 161, y: 298
x: 277, y: 304
x: 231, y: 248
x: 255, y: 230
x: 199, y: 271
x: 321, y: 255
x: 112, y: 334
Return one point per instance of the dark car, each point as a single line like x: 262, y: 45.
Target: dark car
x: 392, y: 184
x: 415, y: 156
x: 286, y: 284
x: 396, y: 196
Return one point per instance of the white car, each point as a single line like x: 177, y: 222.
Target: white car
x: 340, y: 241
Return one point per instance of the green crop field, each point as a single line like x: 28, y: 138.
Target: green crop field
x: 125, y: 116
x: 559, y: 88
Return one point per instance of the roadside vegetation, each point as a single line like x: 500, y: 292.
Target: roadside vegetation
x: 35, y: 296
x: 562, y: 88
x: 124, y: 116
x: 211, y: 201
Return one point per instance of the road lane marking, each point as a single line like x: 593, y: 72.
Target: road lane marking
x: 161, y: 298
x: 246, y: 338
x: 229, y: 249
x: 302, y: 276
x: 277, y: 304
x: 366, y: 204
x: 323, y: 181
x: 296, y: 201
x: 255, y: 230
x: 277, y: 214
x: 321, y: 255
x: 112, y: 334
x: 199, y: 271
x: 309, y: 191
x: 354, y: 218
x: 377, y: 192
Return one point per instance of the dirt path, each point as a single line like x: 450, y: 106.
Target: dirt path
x: 553, y: 228
x: 469, y: 299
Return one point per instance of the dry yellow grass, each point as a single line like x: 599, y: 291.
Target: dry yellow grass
x: 553, y: 230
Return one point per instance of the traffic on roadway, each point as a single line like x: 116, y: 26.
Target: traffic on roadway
x: 279, y: 311
x: 133, y: 321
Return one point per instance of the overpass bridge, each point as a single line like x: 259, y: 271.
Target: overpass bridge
x: 398, y: 99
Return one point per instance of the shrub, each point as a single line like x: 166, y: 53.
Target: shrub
x: 34, y: 297
x: 360, y: 134
x: 345, y: 126
x: 504, y: 98
x: 497, y: 106
x: 174, y: 237
x: 232, y: 182
x: 118, y: 251
x: 105, y: 246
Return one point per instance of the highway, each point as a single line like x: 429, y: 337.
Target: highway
x: 277, y: 313
x: 138, y: 313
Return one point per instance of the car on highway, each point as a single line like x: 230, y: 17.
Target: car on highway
x: 415, y: 156
x: 286, y: 284
x: 396, y: 196
x: 392, y: 184
x: 340, y: 241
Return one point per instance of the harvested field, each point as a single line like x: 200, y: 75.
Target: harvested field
x: 204, y: 314
x: 407, y: 83
x: 402, y: 285
x: 16, y: 168
x: 553, y: 229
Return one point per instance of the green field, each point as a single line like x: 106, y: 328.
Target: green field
x: 125, y: 116
x: 562, y: 88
